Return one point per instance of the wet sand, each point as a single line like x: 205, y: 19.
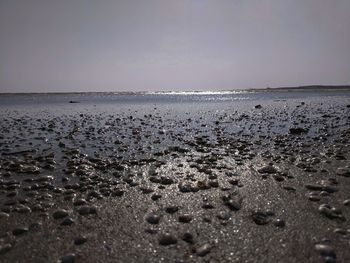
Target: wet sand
x: 249, y: 181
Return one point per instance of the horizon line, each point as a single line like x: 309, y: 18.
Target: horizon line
x: 308, y: 87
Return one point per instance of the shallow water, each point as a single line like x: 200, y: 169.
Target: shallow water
x: 7, y: 100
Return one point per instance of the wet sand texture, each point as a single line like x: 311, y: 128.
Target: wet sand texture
x: 256, y: 181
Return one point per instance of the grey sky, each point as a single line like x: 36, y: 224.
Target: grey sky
x: 106, y: 45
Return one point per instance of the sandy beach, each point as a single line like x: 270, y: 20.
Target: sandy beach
x: 243, y: 177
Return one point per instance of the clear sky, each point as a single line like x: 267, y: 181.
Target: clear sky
x: 133, y: 45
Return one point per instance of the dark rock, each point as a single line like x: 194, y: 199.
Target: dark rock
x: 325, y: 250
x: 185, y: 218
x: 269, y: 169
x: 70, y: 258
x: 86, y: 210
x: 187, y: 237
x: 60, y: 213
x: 171, y: 209
x: 279, y: 223
x: 343, y: 172
x: 80, y: 240
x: 234, y: 202
x: 67, y: 222
x: 298, y: 130
x: 19, y: 231
x: 261, y: 218
x: 4, y: 248
x: 203, y: 250
x: 167, y: 239
x: 153, y: 219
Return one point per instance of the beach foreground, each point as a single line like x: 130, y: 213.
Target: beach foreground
x: 214, y: 180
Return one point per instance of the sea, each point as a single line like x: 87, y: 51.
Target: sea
x: 57, y: 99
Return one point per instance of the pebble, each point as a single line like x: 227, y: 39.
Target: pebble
x: 188, y: 237
x: 80, y: 240
x: 67, y: 222
x: 167, y: 239
x: 171, y: 209
x: 185, y: 218
x: 4, y: 215
x: 153, y: 219
x: 203, y: 250
x: 223, y: 215
x: 86, y: 210
x: 269, y: 169
x: 5, y: 248
x: 166, y: 180
x: 314, y: 198
x: 207, y: 205
x: 70, y: 258
x: 19, y: 231
x: 60, y: 213
x: 343, y: 172
x: 234, y: 202
x: 325, y: 250
x: 261, y: 218
x: 156, y: 197
x: 330, y: 212
x: 79, y: 202
x: 279, y: 223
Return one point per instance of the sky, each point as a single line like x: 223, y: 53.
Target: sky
x: 138, y: 45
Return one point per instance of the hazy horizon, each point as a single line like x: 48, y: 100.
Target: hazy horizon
x: 159, y: 45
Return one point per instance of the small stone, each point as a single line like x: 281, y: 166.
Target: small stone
x: 70, y: 258
x: 298, y: 130
x: 278, y: 178
x: 325, y: 250
x: 234, y: 202
x: 19, y: 231
x: 24, y: 210
x: 203, y: 250
x: 167, y: 239
x: 5, y: 248
x: 340, y: 231
x: 171, y: 209
x: 261, y: 218
x: 146, y: 190
x: 4, y: 215
x: 60, y: 213
x: 67, y: 222
x: 187, y: 237
x: 185, y: 218
x: 289, y: 188
x: 80, y: 240
x: 330, y: 212
x: 118, y: 192
x: 223, y: 215
x: 314, y: 198
x: 346, y: 202
x: 343, y: 172
x: 279, y: 223
x: 166, y: 180
x: 213, y: 183
x: 207, y: 205
x: 156, y: 197
x: 153, y: 219
x: 315, y: 187
x: 79, y: 202
x: 86, y: 210
x: 269, y: 169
